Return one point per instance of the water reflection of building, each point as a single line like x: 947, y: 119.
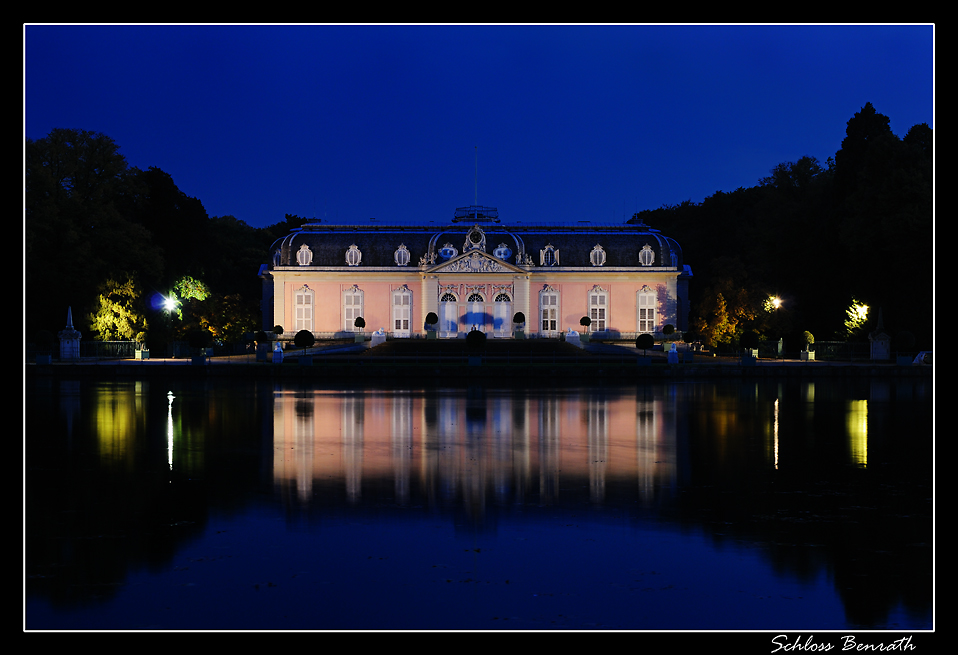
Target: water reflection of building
x: 470, y: 448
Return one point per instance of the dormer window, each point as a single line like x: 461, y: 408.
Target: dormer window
x: 401, y: 256
x: 646, y: 256
x: 597, y: 256
x: 503, y: 252
x: 353, y: 255
x: 304, y: 256
x: 448, y: 251
x: 549, y: 256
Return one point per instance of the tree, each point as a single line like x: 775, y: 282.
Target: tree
x: 77, y: 231
x: 118, y: 314
x: 228, y: 318
x: 585, y: 322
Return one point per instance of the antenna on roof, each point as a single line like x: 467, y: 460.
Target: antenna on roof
x: 477, y: 180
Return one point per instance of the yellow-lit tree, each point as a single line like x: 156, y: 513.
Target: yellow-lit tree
x: 118, y: 314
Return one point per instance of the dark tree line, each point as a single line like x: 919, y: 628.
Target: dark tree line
x: 818, y: 235
x: 101, y: 236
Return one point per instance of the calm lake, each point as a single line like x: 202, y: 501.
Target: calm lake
x: 233, y: 504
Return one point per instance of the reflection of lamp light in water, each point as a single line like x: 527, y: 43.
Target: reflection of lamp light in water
x: 169, y: 429
x: 857, y: 422
x: 775, y: 431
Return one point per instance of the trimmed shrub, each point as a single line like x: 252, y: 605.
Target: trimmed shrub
x: 304, y: 339
x: 644, y: 341
x: 476, y: 340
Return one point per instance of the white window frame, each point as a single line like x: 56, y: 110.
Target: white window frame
x: 502, y: 314
x: 304, y: 303
x: 646, y: 306
x: 598, y: 309
x: 402, y: 312
x: 476, y: 311
x: 549, y: 312
x: 448, y: 314
x: 352, y: 307
x: 549, y: 256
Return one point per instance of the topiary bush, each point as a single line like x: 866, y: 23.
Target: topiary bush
x: 476, y: 340
x: 304, y: 339
x: 644, y: 341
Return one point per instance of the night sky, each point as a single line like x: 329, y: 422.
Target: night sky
x: 569, y: 123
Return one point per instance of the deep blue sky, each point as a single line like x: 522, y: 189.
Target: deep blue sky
x: 571, y: 122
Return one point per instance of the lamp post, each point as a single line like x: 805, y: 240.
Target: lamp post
x: 169, y: 304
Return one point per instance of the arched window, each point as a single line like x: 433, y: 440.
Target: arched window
x: 502, y: 314
x: 475, y: 311
x: 448, y: 315
x: 401, y: 256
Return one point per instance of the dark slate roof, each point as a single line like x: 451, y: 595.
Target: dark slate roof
x: 378, y: 242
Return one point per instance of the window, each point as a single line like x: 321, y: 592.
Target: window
x: 354, y: 255
x: 598, y: 307
x: 304, y: 256
x: 646, y: 256
x: 402, y: 307
x: 352, y: 308
x: 303, y: 301
x: 597, y: 256
x: 448, y: 315
x: 401, y: 256
x: 549, y: 256
x: 503, y: 252
x: 645, y: 304
x: 475, y: 311
x: 448, y: 251
x: 502, y: 314
x: 549, y: 310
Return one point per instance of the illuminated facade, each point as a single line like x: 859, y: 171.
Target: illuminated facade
x: 475, y: 273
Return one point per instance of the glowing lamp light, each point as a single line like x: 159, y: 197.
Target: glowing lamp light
x: 772, y: 303
x: 169, y: 304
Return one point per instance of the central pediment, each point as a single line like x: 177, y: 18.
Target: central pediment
x: 474, y: 262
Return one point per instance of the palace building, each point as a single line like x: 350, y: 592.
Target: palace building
x: 476, y: 272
